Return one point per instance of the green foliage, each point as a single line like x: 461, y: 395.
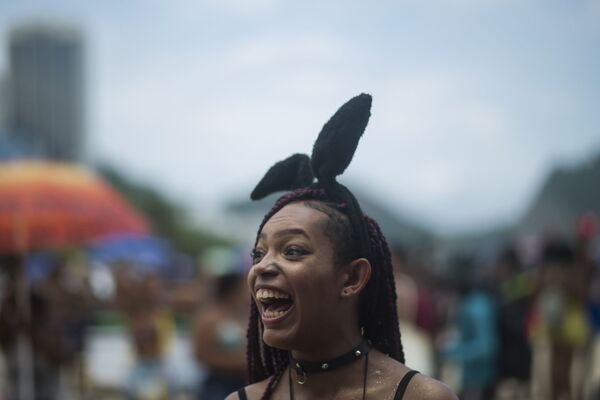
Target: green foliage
x: 167, y: 218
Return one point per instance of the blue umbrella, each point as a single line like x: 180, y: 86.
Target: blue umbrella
x: 150, y: 253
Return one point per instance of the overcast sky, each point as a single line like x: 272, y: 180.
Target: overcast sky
x: 473, y: 101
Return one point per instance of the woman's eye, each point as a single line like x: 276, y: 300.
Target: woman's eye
x: 256, y: 256
x: 295, y: 251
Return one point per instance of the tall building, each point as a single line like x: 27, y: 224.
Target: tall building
x: 3, y: 100
x: 46, y: 90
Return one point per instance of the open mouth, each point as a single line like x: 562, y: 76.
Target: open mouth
x: 275, y: 303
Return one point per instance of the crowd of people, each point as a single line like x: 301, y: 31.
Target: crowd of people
x: 521, y: 324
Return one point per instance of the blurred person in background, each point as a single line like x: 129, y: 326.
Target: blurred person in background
x: 585, y: 377
x: 150, y: 324
x: 475, y: 346
x: 412, y: 309
x: 67, y: 295
x: 557, y: 324
x: 514, y: 292
x: 55, y: 328
x: 219, y: 338
x: 592, y: 367
x: 587, y: 381
x: 427, y: 317
x: 15, y: 326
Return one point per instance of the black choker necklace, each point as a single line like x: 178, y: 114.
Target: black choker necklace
x: 303, y: 367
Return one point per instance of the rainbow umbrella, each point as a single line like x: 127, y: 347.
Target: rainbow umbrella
x: 46, y: 205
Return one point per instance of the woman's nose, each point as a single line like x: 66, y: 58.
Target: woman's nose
x: 265, y: 268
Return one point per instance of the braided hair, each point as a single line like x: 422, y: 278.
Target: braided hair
x: 377, y: 305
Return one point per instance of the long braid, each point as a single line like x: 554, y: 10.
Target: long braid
x: 378, y: 313
x: 383, y: 309
x: 273, y: 380
x: 254, y: 366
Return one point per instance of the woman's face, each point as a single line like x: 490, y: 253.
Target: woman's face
x: 294, y: 281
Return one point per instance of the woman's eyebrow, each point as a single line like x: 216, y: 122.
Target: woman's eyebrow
x: 288, y: 232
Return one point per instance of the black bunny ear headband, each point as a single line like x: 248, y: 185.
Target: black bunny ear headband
x: 331, y: 155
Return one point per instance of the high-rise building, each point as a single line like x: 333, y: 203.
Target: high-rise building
x: 3, y: 99
x: 46, y: 90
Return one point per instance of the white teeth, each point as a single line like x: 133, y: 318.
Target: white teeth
x: 273, y: 314
x: 265, y: 294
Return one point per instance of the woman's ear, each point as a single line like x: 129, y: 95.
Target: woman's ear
x: 356, y: 275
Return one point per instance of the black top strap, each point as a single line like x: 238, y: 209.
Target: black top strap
x: 404, y: 384
x: 242, y: 394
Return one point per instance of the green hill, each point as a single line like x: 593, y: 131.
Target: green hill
x: 568, y: 193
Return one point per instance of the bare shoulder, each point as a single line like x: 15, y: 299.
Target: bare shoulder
x: 232, y: 396
x: 253, y: 391
x: 423, y: 387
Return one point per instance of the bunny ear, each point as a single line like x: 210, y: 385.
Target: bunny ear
x: 339, y: 137
x: 289, y: 174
